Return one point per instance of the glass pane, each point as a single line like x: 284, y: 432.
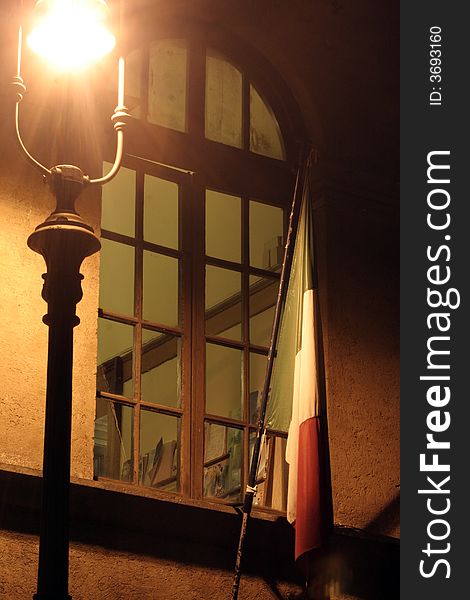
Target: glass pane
x: 266, y: 236
x: 224, y: 381
x: 223, y: 303
x: 265, y: 135
x: 133, y: 82
x: 117, y: 277
x: 159, y: 463
x: 273, y: 472
x: 115, y: 343
x: 160, y: 289
x: 160, y: 368
x: 223, y: 462
x: 258, y: 364
x: 113, y: 440
x: 263, y: 297
x: 160, y: 211
x: 168, y: 83
x: 223, y: 226
x: 118, y: 202
x: 223, y: 101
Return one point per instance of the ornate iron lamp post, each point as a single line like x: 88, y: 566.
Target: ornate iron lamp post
x: 67, y: 32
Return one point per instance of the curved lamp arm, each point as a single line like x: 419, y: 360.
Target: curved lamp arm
x: 44, y: 170
x: 120, y: 119
x: 20, y: 88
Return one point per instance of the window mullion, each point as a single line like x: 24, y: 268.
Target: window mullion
x: 196, y: 214
x: 139, y: 195
x: 186, y: 268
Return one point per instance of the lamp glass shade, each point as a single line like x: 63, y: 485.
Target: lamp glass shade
x: 71, y: 34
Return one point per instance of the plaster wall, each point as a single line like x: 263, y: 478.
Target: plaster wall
x: 363, y: 366
x: 103, y: 574
x: 24, y: 203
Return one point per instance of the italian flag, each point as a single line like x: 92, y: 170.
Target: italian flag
x: 295, y: 394
x: 303, y: 442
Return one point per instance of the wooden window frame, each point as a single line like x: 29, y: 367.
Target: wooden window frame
x: 183, y: 331
x: 203, y: 164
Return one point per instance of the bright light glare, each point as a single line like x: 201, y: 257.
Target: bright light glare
x: 72, y: 34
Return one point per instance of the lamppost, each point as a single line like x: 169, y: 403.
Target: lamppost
x: 68, y: 33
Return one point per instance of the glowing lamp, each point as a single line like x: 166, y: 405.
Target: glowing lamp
x: 70, y: 34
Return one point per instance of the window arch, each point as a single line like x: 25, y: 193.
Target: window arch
x: 225, y: 107
x: 193, y: 230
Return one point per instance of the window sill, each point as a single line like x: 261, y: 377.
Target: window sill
x: 265, y: 514
x: 112, y: 485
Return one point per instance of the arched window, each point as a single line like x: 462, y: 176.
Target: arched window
x: 193, y: 232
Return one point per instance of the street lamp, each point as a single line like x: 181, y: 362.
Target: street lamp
x: 70, y: 34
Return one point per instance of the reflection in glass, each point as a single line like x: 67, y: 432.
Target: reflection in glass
x: 266, y: 236
x: 223, y: 462
x: 115, y: 343
x: 273, y: 472
x: 223, y: 303
x: 258, y: 363
x: 113, y: 441
x: 168, y: 83
x: 160, y: 368
x: 223, y: 226
x: 265, y: 135
x: 118, y: 202
x: 160, y: 290
x: 117, y: 277
x: 263, y: 297
x: 160, y: 211
x: 223, y: 101
x: 224, y: 381
x: 159, y: 462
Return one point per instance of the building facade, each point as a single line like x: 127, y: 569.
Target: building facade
x: 170, y: 352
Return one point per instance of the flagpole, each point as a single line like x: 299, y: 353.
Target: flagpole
x: 282, y: 293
